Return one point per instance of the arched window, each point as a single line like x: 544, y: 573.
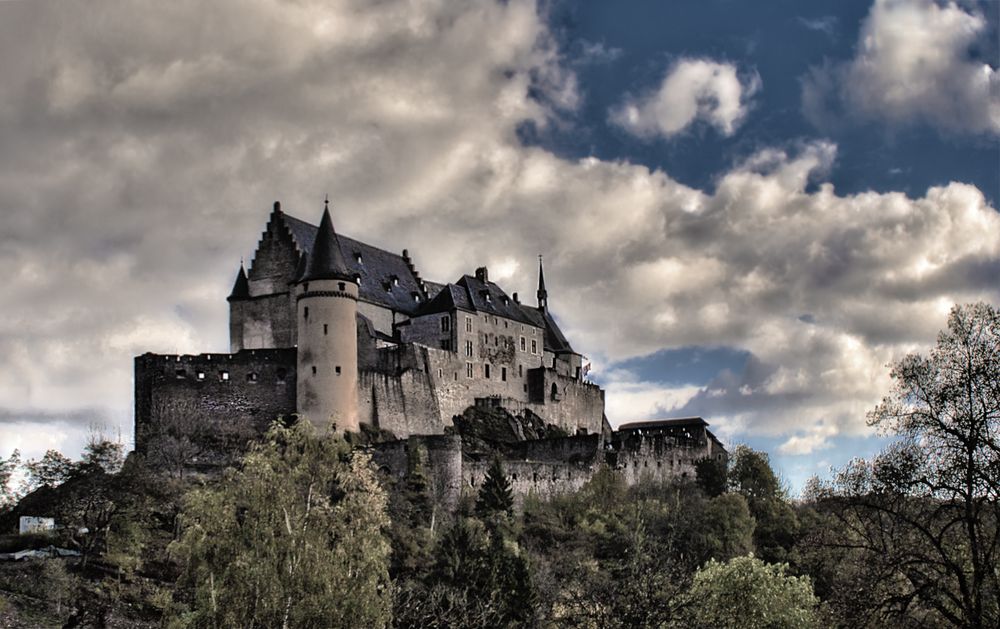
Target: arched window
x: 555, y: 391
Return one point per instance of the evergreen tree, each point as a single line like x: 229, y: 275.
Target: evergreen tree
x: 495, y: 496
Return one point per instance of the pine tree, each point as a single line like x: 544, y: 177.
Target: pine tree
x: 495, y: 496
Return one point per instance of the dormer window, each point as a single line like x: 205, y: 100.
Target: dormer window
x: 357, y: 257
x: 357, y: 279
x: 416, y: 297
x: 394, y: 279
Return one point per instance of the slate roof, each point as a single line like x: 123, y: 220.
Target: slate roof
x: 326, y: 261
x: 664, y: 423
x: 376, y: 269
x: 241, y: 287
x: 388, y: 280
x: 469, y: 294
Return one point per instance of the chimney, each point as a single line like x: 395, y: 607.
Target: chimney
x: 482, y: 274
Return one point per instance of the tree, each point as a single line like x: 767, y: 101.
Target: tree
x: 495, y: 496
x: 751, y: 475
x: 747, y: 593
x: 103, y: 454
x: 294, y: 537
x: 921, y: 518
x: 8, y: 495
x: 51, y: 470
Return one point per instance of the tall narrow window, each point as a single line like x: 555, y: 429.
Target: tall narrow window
x: 520, y: 371
x: 503, y: 374
x: 325, y: 329
x: 523, y: 344
x: 445, y: 323
x: 337, y: 369
x: 468, y: 348
x: 534, y: 346
x: 486, y: 371
x: 305, y: 313
x: 468, y: 370
x: 468, y: 324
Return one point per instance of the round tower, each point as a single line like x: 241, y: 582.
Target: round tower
x: 326, y: 307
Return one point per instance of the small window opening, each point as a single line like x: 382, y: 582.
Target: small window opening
x: 314, y: 370
x: 486, y: 371
x: 357, y: 258
x: 341, y: 286
x: 305, y: 313
x: 201, y: 375
x: 180, y: 373
x: 520, y: 371
x: 326, y: 328
x: 503, y: 374
x: 224, y: 376
x: 251, y: 377
x: 337, y: 369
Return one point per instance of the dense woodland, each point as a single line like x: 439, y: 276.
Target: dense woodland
x: 303, y: 532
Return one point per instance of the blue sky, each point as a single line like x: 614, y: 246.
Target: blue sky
x: 747, y: 209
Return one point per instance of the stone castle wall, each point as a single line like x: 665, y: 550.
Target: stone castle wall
x: 244, y: 391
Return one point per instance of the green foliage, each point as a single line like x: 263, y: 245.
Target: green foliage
x: 751, y: 476
x: 293, y: 538
x: 495, y: 496
x: 747, y: 593
x: 51, y: 470
x: 480, y: 579
x: 8, y: 495
x: 103, y: 454
x: 712, y: 476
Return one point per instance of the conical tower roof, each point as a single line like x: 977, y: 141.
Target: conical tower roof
x: 326, y: 261
x: 241, y: 287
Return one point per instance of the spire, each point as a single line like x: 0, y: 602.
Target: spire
x: 241, y: 288
x: 543, y: 295
x: 326, y: 261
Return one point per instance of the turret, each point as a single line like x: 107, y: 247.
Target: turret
x: 239, y: 295
x: 542, y: 294
x: 326, y: 308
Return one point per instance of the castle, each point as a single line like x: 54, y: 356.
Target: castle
x: 350, y: 336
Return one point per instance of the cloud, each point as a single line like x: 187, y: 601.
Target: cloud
x: 137, y: 165
x: 826, y: 24
x: 692, y: 90
x: 913, y: 64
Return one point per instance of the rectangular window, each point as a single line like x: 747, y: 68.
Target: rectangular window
x: 468, y: 370
x: 534, y: 346
x: 338, y: 369
x: 446, y: 345
x: 520, y: 371
x: 523, y: 347
x: 325, y: 329
x: 305, y: 313
x: 445, y: 323
x: 496, y: 341
x: 468, y: 348
x: 486, y: 371
x: 224, y: 376
x: 468, y: 324
x: 503, y: 374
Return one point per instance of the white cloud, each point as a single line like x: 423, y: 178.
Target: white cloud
x: 132, y: 180
x: 692, y: 90
x: 912, y: 65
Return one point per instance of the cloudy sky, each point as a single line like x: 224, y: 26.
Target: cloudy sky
x: 746, y: 209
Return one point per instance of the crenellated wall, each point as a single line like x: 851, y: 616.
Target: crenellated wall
x: 212, y: 393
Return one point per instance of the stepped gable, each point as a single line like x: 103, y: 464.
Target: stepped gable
x: 386, y: 278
